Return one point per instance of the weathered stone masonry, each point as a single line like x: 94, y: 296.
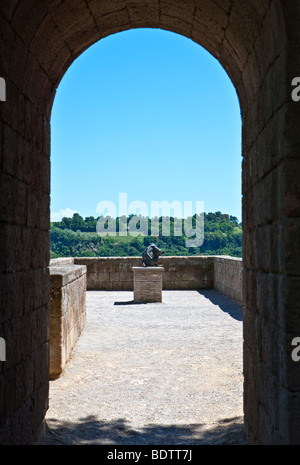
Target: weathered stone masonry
x: 228, y: 274
x: 67, y: 312
x: 257, y: 43
x: 71, y: 277
x: 115, y: 273
x: 180, y: 273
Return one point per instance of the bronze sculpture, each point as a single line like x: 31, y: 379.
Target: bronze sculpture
x: 151, y: 255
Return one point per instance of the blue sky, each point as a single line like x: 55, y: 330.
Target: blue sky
x: 151, y: 114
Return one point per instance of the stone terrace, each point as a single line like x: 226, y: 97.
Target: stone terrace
x: 71, y: 277
x: 257, y: 43
x: 159, y: 373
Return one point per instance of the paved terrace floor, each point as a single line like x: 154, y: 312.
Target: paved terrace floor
x: 161, y: 373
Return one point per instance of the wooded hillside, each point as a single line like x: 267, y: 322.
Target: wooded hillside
x: 77, y: 237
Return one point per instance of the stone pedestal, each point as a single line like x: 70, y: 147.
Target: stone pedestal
x: 147, y: 283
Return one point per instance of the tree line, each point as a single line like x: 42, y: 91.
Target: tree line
x: 77, y: 237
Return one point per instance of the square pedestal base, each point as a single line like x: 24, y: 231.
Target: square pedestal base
x: 147, y: 283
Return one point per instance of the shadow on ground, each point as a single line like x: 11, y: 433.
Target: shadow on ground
x: 118, y: 432
x: 130, y: 302
x: 224, y: 303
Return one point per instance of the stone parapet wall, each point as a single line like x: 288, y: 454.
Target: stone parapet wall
x: 228, y: 277
x: 222, y: 273
x: 187, y: 272
x: 109, y: 273
x: 115, y: 273
x: 71, y: 277
x: 67, y: 311
x: 62, y: 261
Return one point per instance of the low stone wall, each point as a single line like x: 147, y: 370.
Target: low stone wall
x: 67, y: 310
x: 187, y: 272
x: 115, y: 273
x: 71, y: 277
x: 222, y: 273
x: 62, y: 261
x: 228, y: 273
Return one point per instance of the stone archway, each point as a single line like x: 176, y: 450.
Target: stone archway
x: 257, y: 43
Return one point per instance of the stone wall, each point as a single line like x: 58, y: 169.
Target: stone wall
x: 62, y: 261
x: 201, y: 272
x: 228, y: 275
x: 115, y: 273
x: 67, y: 311
x: 257, y: 43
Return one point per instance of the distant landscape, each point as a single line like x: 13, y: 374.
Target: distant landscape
x: 77, y: 237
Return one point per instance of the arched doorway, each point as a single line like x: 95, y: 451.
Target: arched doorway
x: 256, y: 43
x: 97, y: 106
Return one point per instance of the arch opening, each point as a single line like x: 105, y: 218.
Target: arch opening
x: 167, y: 96
x: 144, y: 125
x: 256, y: 45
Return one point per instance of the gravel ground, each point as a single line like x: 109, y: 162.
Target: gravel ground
x: 161, y: 373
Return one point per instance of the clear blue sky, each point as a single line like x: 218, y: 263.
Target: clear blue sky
x: 151, y: 114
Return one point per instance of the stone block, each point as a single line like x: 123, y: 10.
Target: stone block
x: 176, y: 25
x: 291, y: 246
x: 55, y: 72
x: 228, y: 276
x: 82, y: 35
x: 167, y: 277
x: 147, y: 282
x: 114, y: 276
x: 68, y: 14
x: 117, y: 286
x: 99, y: 9
x: 102, y: 276
x: 11, y: 163
x: 48, y: 38
x: 26, y: 24
x: 67, y: 312
x: 213, y: 17
x: 145, y: 14
x: 174, y: 11
x: 127, y: 285
x: 113, y: 22
x: 289, y: 304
